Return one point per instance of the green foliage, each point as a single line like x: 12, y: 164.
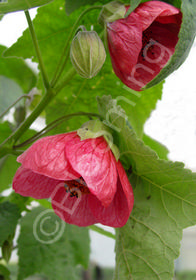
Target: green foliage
x: 4, y: 273
x: 142, y: 105
x: 8, y: 167
x: 9, y: 215
x: 40, y: 252
x: 9, y: 92
x: 186, y: 38
x: 165, y: 192
x: 133, y: 6
x: 160, y: 149
x: 5, y: 131
x: 51, y: 35
x: 17, y: 70
x: 18, y: 5
x: 165, y: 203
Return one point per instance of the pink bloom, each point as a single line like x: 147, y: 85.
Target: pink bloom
x: 141, y: 44
x: 83, y: 179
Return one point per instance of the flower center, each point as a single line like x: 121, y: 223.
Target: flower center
x: 76, y: 187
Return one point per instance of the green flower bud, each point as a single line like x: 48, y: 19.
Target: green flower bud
x: 19, y: 114
x: 87, y: 53
x: 7, y: 250
x: 112, y: 11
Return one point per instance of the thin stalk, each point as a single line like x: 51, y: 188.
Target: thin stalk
x: 102, y: 231
x: 37, y: 49
x: 13, y: 104
x: 65, y: 55
x: 35, y: 113
x: 53, y: 125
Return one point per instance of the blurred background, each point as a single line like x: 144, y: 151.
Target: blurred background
x: 173, y: 123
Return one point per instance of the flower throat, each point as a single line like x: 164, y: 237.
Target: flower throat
x: 76, y: 188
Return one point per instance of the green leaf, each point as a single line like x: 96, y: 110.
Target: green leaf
x: 9, y: 215
x: 160, y: 149
x: 72, y: 5
x: 165, y: 204
x: 17, y: 70
x: 9, y: 92
x: 186, y: 39
x: 4, y: 273
x: 49, y: 246
x: 18, y: 5
x: 142, y: 105
x: 133, y: 6
x: 176, y: 3
x: 5, y: 131
x: 8, y: 167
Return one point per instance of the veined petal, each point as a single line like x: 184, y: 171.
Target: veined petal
x: 47, y: 157
x: 28, y: 183
x: 152, y: 10
x: 124, y: 43
x: 93, y: 159
x: 159, y: 41
x: 72, y: 210
x: 116, y: 214
x: 126, y: 186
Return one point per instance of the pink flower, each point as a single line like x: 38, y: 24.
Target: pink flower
x: 83, y: 179
x: 141, y: 44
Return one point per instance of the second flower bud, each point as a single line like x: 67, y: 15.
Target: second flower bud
x: 87, y: 53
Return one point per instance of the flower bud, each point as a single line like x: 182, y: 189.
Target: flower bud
x: 112, y: 11
x: 19, y: 114
x: 7, y: 250
x: 87, y: 53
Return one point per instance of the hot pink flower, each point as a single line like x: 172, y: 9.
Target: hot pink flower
x: 141, y: 44
x: 83, y: 179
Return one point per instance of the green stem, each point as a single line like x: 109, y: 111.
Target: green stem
x: 35, y: 113
x: 65, y: 55
x: 38, y: 52
x: 53, y: 125
x: 102, y: 231
x: 15, y: 102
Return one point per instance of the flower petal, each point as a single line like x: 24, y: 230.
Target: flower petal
x: 116, y: 214
x: 159, y: 41
x: 47, y: 157
x: 93, y: 159
x: 124, y: 43
x: 152, y: 10
x: 126, y: 186
x: 72, y: 210
x: 28, y: 183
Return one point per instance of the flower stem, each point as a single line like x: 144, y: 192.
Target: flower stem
x: 65, y: 55
x: 37, y: 49
x: 102, y: 231
x: 53, y: 125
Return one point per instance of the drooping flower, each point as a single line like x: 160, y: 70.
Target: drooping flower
x: 142, y: 43
x: 83, y: 179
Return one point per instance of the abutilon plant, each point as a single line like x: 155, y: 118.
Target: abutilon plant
x: 142, y: 43
x: 108, y: 171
